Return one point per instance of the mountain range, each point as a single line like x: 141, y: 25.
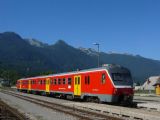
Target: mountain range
x: 30, y: 57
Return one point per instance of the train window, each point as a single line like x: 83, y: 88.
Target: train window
x: 117, y: 76
x: 87, y: 80
x: 64, y: 81
x: 40, y: 81
x: 59, y: 81
x: 44, y: 82
x: 103, y: 80
x: 52, y: 82
x: 55, y: 81
x: 69, y: 81
x: 78, y: 80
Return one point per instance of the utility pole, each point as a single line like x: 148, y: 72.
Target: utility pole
x: 97, y: 44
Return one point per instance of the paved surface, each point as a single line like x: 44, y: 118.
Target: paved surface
x: 34, y: 112
x: 150, y: 102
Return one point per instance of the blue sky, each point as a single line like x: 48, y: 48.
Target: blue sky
x: 125, y: 26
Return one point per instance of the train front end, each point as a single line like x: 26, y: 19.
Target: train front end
x: 123, y: 85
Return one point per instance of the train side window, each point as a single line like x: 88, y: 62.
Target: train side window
x: 64, y: 81
x: 59, y: 81
x: 44, y: 81
x: 69, y: 81
x: 103, y: 80
x: 55, y: 81
x: 88, y: 80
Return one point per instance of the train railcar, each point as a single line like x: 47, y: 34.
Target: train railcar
x: 110, y: 83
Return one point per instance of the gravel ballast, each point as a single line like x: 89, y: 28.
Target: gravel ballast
x: 33, y: 111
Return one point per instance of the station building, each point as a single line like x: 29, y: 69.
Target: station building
x: 152, y: 83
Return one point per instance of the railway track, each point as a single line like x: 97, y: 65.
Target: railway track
x: 9, y: 113
x: 111, y: 110
x: 80, y: 113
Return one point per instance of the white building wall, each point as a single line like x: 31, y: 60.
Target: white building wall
x: 148, y: 85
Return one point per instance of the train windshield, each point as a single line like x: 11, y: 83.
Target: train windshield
x: 122, y: 78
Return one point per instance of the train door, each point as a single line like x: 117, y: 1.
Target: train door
x: 47, y: 84
x: 29, y: 85
x: 77, y: 85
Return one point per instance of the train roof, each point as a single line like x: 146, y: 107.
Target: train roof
x: 106, y: 66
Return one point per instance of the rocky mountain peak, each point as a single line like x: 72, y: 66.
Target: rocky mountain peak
x: 36, y: 43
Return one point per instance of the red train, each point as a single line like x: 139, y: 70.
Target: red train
x: 111, y: 83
